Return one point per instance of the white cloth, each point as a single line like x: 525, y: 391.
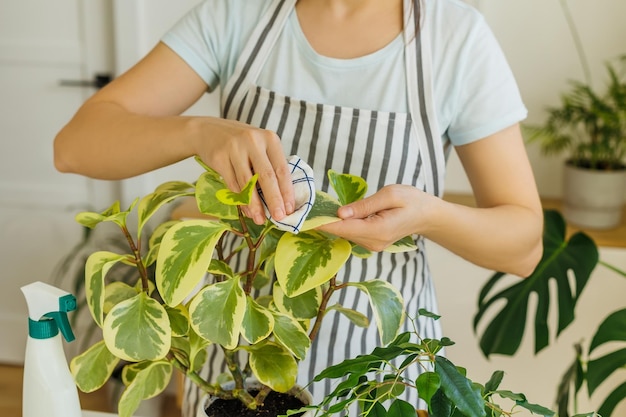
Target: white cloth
x: 304, y: 189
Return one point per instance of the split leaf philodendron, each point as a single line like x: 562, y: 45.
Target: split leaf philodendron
x: 156, y: 328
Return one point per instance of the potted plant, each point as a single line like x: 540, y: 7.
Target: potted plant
x: 590, y: 128
x: 155, y: 327
x: 375, y: 381
x: 568, y: 262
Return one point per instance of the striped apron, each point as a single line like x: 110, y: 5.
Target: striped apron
x: 382, y: 147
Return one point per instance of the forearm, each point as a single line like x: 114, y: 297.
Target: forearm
x: 105, y: 141
x: 505, y: 238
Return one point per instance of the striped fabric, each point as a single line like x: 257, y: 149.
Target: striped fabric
x: 382, y: 147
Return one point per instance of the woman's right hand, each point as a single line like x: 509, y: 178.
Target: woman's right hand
x: 237, y: 151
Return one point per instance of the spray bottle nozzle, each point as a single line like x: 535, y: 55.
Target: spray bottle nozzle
x: 48, y: 307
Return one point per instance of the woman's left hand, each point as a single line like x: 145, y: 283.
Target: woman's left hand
x: 375, y: 222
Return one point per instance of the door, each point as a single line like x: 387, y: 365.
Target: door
x: 41, y: 43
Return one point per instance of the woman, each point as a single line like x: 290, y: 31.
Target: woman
x: 377, y: 88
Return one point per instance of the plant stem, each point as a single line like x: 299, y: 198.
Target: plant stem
x: 138, y: 262
x: 582, y: 57
x: 322, y: 310
x: 613, y: 268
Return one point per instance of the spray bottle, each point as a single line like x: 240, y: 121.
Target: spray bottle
x: 49, y: 389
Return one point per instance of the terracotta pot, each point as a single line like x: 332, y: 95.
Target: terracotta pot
x: 592, y: 198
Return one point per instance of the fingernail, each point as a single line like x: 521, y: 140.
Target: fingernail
x: 346, y: 212
x: 259, y: 219
x: 278, y: 214
x: 289, y: 208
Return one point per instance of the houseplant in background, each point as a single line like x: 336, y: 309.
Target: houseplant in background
x: 590, y: 128
x: 153, y: 327
x: 566, y: 261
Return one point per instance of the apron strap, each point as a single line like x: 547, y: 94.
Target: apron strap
x: 256, y: 53
x: 421, y: 102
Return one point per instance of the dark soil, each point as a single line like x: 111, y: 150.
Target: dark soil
x: 275, y: 404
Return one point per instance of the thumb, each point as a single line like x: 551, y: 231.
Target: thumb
x: 359, y: 209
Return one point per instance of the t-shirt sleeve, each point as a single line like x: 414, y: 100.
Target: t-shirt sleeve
x: 486, y: 98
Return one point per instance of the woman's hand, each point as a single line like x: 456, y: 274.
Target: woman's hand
x: 237, y: 151
x: 387, y: 216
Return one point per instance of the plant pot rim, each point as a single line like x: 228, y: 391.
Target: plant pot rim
x: 580, y: 164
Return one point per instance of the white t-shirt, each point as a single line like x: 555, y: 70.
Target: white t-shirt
x: 475, y: 92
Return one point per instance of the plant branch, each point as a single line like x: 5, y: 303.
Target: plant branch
x: 613, y: 268
x: 322, y: 310
x: 143, y: 273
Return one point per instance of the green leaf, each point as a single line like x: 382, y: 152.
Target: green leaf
x: 93, y: 368
x: 111, y: 214
x: 400, y: 408
x: 612, y: 329
x: 241, y: 198
x: 349, y: 188
x: 358, y: 318
x: 217, y: 312
x: 598, y: 370
x: 578, y: 256
x: 273, y: 366
x: 303, y: 306
x: 291, y: 335
x: 197, y: 351
x: 164, y: 193
x: 138, y: 329
x: 179, y: 319
x: 308, y: 260
x: 406, y: 244
x: 184, y: 257
x: 207, y: 186
x: 324, y: 211
x: 258, y: 322
x: 610, y: 402
x: 97, y: 266
x: 115, y: 293
x: 217, y: 267
x: 458, y: 389
x: 494, y: 382
x: 388, y: 306
x: 148, y: 383
x: 427, y: 385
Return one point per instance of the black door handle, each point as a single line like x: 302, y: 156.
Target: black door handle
x: 98, y: 81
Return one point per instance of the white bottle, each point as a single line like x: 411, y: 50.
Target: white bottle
x: 49, y: 389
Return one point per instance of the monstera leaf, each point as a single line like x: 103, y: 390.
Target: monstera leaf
x: 611, y: 330
x: 577, y: 256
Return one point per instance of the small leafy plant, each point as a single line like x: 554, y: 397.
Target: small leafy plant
x: 157, y: 325
x: 376, y: 380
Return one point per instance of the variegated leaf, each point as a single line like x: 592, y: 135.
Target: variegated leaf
x: 91, y: 219
x: 217, y: 312
x: 185, y: 254
x: 93, y: 368
x: 307, y: 260
x: 138, y: 329
x: 359, y: 319
x: 360, y: 251
x: 148, y: 383
x: 197, y: 351
x: 290, y: 334
x: 303, y: 306
x: 388, y: 306
x: 207, y: 186
x: 273, y: 366
x: 130, y: 371
x: 324, y: 211
x: 165, y: 193
x: 159, y: 232
x: 217, y: 267
x: 406, y: 244
x: 115, y: 293
x: 241, y: 198
x: 96, y: 268
x: 179, y: 319
x: 349, y: 188
x: 257, y: 323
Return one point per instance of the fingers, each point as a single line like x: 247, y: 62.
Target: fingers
x: 388, y: 197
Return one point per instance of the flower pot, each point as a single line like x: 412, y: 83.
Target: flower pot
x: 593, y: 198
x: 297, y: 392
